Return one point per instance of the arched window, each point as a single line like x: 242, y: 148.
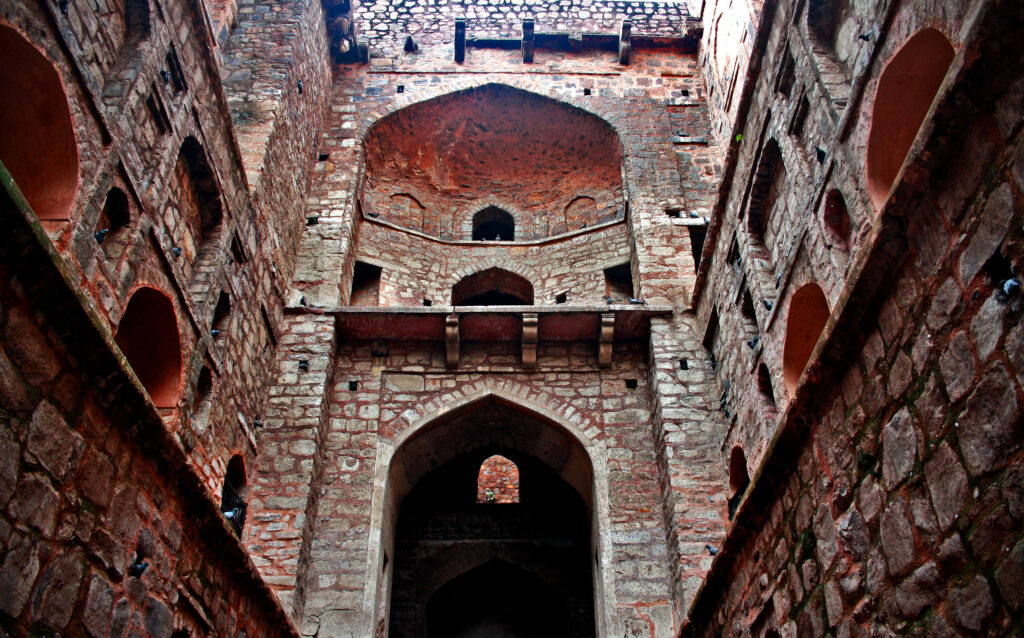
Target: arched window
x: 493, y: 287
x: 835, y: 218
x: 114, y: 218
x: 764, y: 385
x: 808, y: 313
x: 494, y: 224
x: 906, y: 90
x: 498, y: 481
x: 37, y: 138
x: 232, y: 496
x: 222, y: 313
x: 148, y: 337
x: 739, y: 480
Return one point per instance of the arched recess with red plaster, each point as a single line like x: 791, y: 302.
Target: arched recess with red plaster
x: 148, y: 337
x: 906, y: 90
x: 37, y: 138
x: 808, y: 313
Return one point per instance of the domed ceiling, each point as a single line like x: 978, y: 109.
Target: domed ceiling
x: 432, y: 165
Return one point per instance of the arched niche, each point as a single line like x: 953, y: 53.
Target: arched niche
x: 37, y: 137
x: 493, y: 224
x: 765, y: 194
x: 441, y: 538
x: 492, y: 143
x: 148, y: 337
x: 233, y: 494
x: 808, y: 313
x: 835, y: 220
x: 493, y: 287
x: 906, y: 90
x: 739, y: 479
x: 197, y: 193
x: 497, y: 481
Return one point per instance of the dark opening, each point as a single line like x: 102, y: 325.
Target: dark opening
x: 114, y: 218
x: 232, y: 499
x: 835, y: 217
x: 787, y: 74
x: 767, y: 189
x: 631, y: 384
x: 618, y: 282
x: 697, y: 236
x: 204, y: 187
x: 204, y: 384
x: 237, y: 251
x: 365, y: 285
x: 174, y: 73
x: 494, y: 224
x: 493, y: 287
x: 764, y: 385
x: 148, y: 337
x: 739, y: 480
x: 222, y: 313
x: 465, y: 566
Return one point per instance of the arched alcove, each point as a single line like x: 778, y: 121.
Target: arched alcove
x: 835, y: 220
x: 765, y: 195
x: 906, y: 90
x: 37, y: 137
x: 493, y: 287
x: 148, y: 337
x: 493, y: 224
x: 115, y: 217
x: 445, y: 542
x: 492, y: 143
x: 808, y: 313
x: 233, y: 494
x: 739, y: 479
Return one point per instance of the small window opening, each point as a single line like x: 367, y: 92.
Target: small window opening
x: 175, y: 75
x: 697, y: 236
x: 835, y: 217
x: 157, y: 112
x: 222, y: 313
x: 674, y: 212
x: 739, y: 480
x: 427, y: 302
x: 799, y: 117
x: 384, y: 563
x: 323, y: 157
x: 586, y: 91
x: 237, y: 252
x: 493, y: 224
x: 684, y: 364
x: 365, y: 285
x: 353, y: 386
x: 764, y: 385
x: 232, y: 497
x: 498, y: 481
x: 787, y: 74
x: 204, y: 385
x: 271, y: 338
x: 618, y: 283
x: 631, y: 384
x: 748, y: 306
x: 401, y: 88
x: 113, y: 218
x: 561, y: 297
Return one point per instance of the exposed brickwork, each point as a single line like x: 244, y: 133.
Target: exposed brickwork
x: 736, y: 384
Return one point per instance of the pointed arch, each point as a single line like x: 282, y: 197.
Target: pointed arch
x: 808, y: 314
x: 493, y: 287
x: 393, y: 480
x: 37, y: 137
x: 906, y: 89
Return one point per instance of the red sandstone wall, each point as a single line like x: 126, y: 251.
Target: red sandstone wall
x: 881, y: 507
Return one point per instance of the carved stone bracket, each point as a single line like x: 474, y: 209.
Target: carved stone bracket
x: 451, y: 338
x: 604, y: 346
x: 529, y: 339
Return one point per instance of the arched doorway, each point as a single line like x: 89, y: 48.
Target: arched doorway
x: 492, y: 287
x: 448, y: 545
